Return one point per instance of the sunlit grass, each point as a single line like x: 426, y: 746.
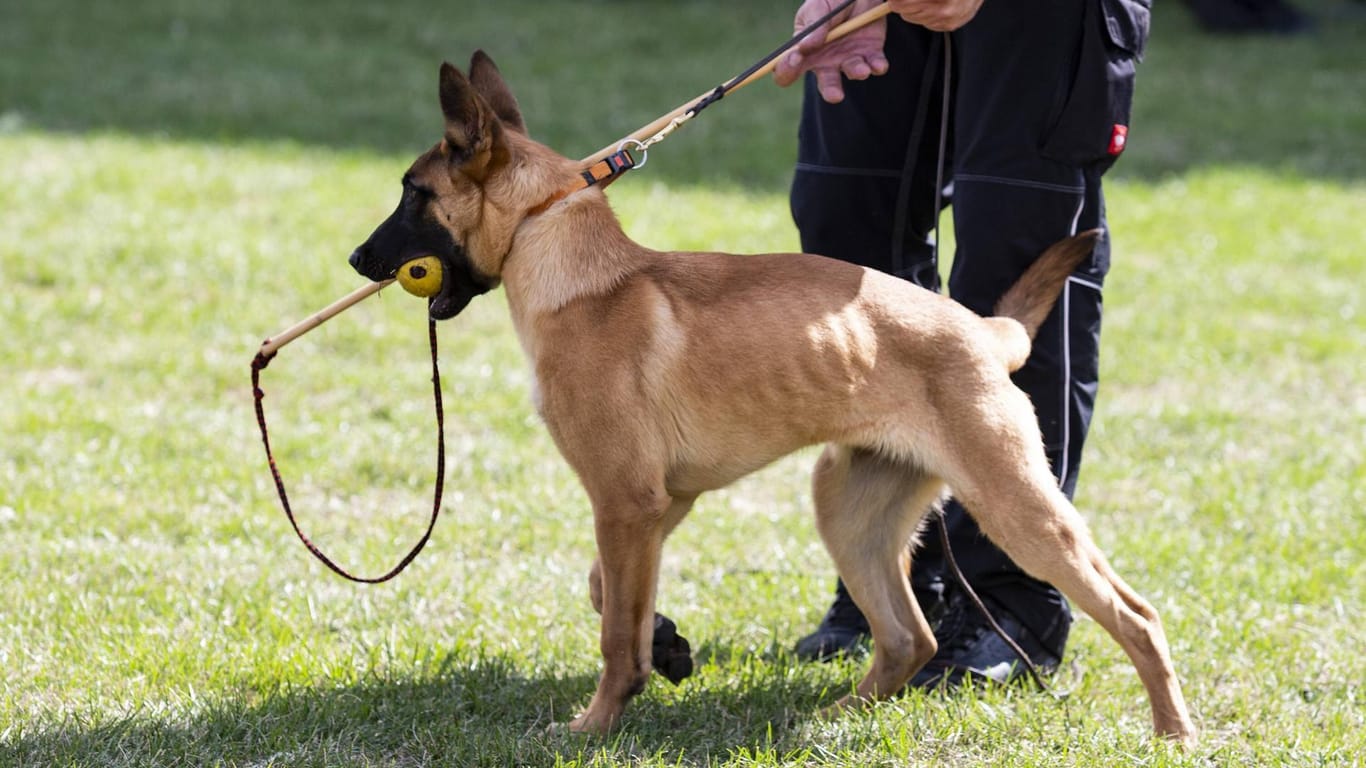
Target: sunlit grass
x: 156, y: 583
x: 156, y: 609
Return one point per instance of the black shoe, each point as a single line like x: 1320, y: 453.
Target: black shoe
x: 971, y: 651
x: 842, y: 631
x: 670, y: 652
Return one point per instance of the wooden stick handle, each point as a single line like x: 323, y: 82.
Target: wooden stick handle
x: 273, y: 344
x: 650, y: 129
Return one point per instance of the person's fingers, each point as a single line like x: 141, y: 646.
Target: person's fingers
x: 937, y: 15
x: 804, y: 19
x: 858, y: 56
x: 864, y: 66
x: 878, y: 61
x: 941, y: 24
x: 830, y: 84
x: 789, y: 69
x: 813, y: 41
x: 856, y: 68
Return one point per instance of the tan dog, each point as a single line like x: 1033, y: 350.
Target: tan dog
x: 663, y: 375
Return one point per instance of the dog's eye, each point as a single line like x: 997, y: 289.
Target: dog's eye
x: 424, y: 193
x: 416, y: 192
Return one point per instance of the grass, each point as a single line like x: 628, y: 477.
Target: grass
x: 180, y: 179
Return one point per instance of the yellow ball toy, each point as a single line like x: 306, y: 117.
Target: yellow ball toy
x: 421, y: 277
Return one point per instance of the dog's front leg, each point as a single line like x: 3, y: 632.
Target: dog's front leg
x: 630, y: 527
x: 679, y: 506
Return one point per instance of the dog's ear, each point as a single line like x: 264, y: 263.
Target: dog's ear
x: 488, y: 83
x: 474, y: 140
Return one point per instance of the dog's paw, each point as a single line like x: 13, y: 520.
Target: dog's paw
x: 558, y: 731
x: 590, y: 723
x: 670, y: 652
x: 573, y: 730
x: 845, y: 705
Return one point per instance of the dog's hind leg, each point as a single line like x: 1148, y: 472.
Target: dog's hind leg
x: 1007, y: 487
x: 867, y: 510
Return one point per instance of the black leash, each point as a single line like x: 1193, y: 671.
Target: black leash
x: 721, y: 90
x: 908, y: 168
x: 1034, y: 671
x: 259, y: 364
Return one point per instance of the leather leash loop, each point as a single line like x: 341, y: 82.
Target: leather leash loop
x: 259, y: 364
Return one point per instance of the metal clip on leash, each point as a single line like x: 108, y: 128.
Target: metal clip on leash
x: 642, y: 146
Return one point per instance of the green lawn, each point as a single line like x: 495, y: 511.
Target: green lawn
x: 180, y: 179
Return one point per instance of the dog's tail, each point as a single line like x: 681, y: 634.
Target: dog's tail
x: 1032, y: 297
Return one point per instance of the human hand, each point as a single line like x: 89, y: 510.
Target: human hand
x: 856, y: 56
x: 938, y: 15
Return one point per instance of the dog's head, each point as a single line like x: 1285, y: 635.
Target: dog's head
x: 460, y: 201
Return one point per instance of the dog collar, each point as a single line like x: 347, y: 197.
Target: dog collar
x: 599, y: 174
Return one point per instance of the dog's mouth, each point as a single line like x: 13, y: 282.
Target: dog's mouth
x: 397, y: 250
x: 459, y: 285
x: 447, y: 302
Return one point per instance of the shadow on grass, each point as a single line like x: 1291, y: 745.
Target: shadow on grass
x: 362, y: 76
x: 480, y: 712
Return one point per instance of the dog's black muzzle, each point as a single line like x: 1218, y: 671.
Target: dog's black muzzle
x: 404, y: 237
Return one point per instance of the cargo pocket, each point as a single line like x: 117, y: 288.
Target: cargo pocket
x: 1093, y: 125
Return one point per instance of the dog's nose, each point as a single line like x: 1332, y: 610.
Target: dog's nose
x: 357, y: 258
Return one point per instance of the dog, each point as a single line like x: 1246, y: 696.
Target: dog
x: 661, y: 375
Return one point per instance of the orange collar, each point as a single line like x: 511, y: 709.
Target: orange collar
x: 601, y: 173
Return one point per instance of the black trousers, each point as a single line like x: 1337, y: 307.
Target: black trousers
x: 1039, y: 102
